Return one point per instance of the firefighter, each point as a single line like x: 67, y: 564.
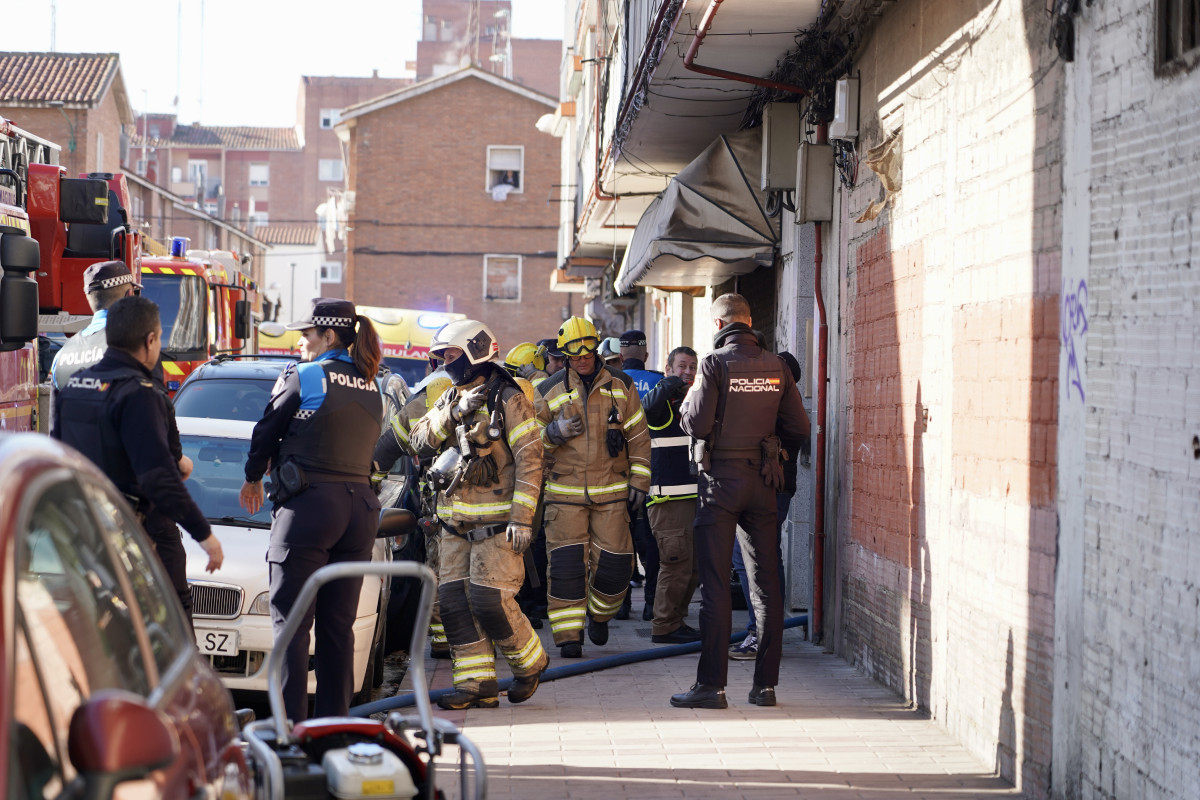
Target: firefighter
x: 104, y: 283
x: 317, y: 434
x: 528, y: 361
x: 555, y: 360
x: 394, y: 443
x: 489, y: 471
x: 746, y: 408
x: 594, y: 429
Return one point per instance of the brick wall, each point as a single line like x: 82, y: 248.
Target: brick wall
x: 424, y: 219
x: 947, y: 370
x: 1130, y: 319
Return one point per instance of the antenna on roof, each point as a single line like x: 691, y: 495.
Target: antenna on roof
x: 53, y: 24
x: 178, y: 55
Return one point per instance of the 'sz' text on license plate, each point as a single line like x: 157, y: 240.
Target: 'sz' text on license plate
x: 217, y: 643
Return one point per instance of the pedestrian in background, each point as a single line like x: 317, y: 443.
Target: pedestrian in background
x: 746, y: 409
x: 317, y: 433
x: 671, y: 505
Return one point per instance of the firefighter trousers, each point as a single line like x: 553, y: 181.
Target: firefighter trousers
x: 477, y: 588
x: 672, y: 522
x: 437, y: 631
x: 590, y: 551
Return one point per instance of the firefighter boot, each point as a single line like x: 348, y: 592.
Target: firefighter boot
x: 598, y: 632
x: 488, y: 697
x: 523, y: 688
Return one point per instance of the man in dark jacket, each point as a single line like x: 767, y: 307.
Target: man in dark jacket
x: 746, y: 408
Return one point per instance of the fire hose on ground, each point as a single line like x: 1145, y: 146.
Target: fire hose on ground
x: 567, y: 671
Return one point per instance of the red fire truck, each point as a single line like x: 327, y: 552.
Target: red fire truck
x: 206, y: 300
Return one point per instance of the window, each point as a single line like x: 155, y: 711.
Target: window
x: 260, y: 174
x: 331, y: 272
x: 505, y: 165
x: 141, y: 167
x: 99, y: 152
x: 260, y: 218
x: 501, y: 277
x: 330, y: 117
x: 155, y: 132
x: 1178, y: 35
x: 197, y: 171
x: 176, y: 174
x: 210, y: 208
x: 329, y: 169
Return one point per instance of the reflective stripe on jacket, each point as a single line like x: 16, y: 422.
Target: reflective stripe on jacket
x: 582, y: 472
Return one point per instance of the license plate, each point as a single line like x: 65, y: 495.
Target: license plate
x: 217, y: 643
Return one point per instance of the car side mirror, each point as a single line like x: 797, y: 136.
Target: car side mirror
x: 116, y: 737
x: 397, y: 523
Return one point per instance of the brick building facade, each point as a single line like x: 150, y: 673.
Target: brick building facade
x: 428, y: 228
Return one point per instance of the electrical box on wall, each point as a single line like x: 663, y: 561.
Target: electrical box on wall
x: 814, y: 183
x: 780, y: 132
x: 845, y: 110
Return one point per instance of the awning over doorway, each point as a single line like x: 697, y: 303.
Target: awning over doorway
x: 708, y: 225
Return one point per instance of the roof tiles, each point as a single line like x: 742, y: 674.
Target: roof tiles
x: 72, y: 78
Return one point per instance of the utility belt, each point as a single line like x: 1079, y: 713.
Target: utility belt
x: 289, y: 480
x: 477, y: 534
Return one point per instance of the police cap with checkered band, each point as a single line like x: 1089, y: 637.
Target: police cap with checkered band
x: 327, y: 313
x: 108, y: 275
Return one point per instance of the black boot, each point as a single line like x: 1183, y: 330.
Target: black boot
x: 762, y: 696
x: 701, y: 696
x: 626, y: 606
x: 571, y: 650
x: 598, y: 632
x: 487, y: 697
x: 523, y: 687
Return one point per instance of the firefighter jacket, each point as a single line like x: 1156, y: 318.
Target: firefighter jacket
x: 743, y: 393
x: 583, y: 472
x: 324, y: 415
x: 517, y: 455
x: 671, y: 475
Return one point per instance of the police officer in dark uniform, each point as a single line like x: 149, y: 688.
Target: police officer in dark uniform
x: 746, y: 408
x: 104, y: 283
x: 115, y: 415
x: 317, y: 434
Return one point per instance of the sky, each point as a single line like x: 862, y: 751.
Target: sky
x: 239, y: 62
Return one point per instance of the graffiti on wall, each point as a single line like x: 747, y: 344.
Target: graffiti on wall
x: 1074, y: 328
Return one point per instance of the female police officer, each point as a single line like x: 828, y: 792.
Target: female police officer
x: 317, y: 434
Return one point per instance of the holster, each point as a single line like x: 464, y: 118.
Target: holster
x: 287, y: 481
x: 772, y: 462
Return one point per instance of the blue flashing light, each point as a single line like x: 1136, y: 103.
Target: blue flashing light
x: 179, y: 246
x: 172, y: 386
x: 432, y: 321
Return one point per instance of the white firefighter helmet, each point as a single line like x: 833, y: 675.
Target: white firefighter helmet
x: 475, y: 339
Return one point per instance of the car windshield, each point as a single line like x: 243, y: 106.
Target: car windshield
x: 217, y: 476
x: 411, y: 369
x: 219, y: 398
x: 181, y: 307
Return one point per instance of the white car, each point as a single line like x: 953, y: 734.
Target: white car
x: 230, y: 607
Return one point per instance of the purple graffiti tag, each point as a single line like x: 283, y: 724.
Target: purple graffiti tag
x: 1074, y: 326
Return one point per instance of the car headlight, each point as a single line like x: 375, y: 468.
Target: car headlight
x: 261, y: 604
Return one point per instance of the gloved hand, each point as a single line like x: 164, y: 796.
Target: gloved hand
x: 674, y: 386
x: 482, y: 471
x: 518, y: 536
x: 527, y: 371
x: 564, y: 428
x: 469, y: 402
x: 636, y: 497
x: 614, y: 440
x: 377, y: 477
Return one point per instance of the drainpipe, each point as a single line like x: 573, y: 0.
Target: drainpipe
x: 818, y: 605
x: 689, y: 60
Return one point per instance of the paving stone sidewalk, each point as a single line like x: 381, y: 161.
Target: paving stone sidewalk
x: 613, y: 734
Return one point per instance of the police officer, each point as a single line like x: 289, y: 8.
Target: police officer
x: 114, y: 414
x: 104, y: 283
x: 594, y: 429
x: 746, y: 408
x: 556, y: 361
x: 317, y: 433
x: 486, y: 509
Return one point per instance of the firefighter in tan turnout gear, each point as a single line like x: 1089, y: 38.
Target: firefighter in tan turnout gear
x: 596, y: 440
x: 488, y: 470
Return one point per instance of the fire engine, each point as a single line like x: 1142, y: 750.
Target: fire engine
x: 19, y: 259
x: 205, y: 300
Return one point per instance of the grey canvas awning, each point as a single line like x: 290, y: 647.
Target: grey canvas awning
x: 708, y: 225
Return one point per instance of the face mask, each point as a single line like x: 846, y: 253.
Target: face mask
x: 461, y: 370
